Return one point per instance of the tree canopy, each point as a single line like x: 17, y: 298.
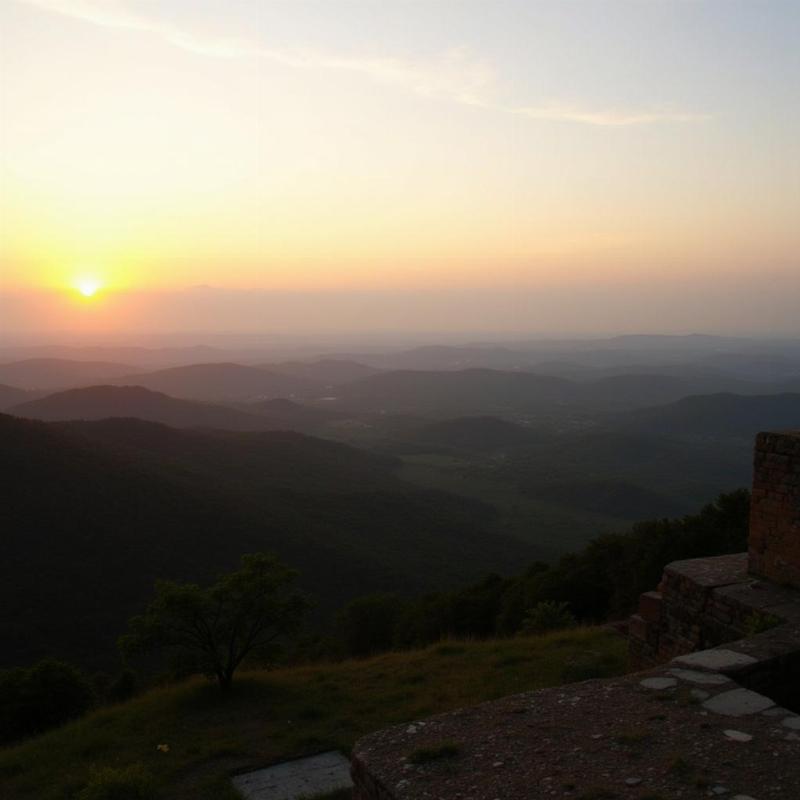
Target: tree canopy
x: 244, y: 614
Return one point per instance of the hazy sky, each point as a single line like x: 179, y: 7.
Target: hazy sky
x: 609, y: 165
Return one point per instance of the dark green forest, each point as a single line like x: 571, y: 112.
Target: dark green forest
x: 95, y: 513
x: 601, y: 582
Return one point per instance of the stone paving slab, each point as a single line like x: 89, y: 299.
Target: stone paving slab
x: 301, y: 778
x: 738, y: 702
x: 715, y: 660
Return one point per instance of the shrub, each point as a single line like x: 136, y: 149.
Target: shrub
x: 123, y: 687
x: 40, y: 697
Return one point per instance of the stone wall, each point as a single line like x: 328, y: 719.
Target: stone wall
x: 774, y: 547
x: 689, y: 611
x: 706, y: 602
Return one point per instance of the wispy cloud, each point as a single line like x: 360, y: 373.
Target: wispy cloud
x: 604, y: 117
x: 454, y: 75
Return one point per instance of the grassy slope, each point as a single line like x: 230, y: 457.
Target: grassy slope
x: 271, y: 716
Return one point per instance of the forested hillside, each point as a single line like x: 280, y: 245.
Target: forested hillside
x: 93, y: 516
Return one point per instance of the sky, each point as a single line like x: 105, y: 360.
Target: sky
x: 551, y: 165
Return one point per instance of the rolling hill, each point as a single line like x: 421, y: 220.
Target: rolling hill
x: 11, y: 396
x: 497, y: 392
x: 102, y: 402
x: 224, y: 382
x: 482, y: 391
x: 288, y: 415
x: 718, y: 415
x: 326, y: 371
x: 246, y: 463
x: 635, y: 390
x: 743, y: 358
x: 60, y: 373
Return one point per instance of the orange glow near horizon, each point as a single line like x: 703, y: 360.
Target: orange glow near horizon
x: 150, y: 148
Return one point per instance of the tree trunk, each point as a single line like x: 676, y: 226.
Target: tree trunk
x: 225, y: 680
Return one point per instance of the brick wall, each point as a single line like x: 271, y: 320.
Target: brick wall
x: 705, y: 602
x: 774, y: 547
x: 689, y: 611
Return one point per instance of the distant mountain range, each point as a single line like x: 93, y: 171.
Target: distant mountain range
x: 102, y: 402
x: 225, y: 382
x: 487, y: 391
x: 58, y: 373
x: 465, y: 391
x: 259, y: 399
x: 717, y: 415
x: 621, y: 373
x: 11, y: 396
x: 325, y: 371
x: 204, y: 381
x: 145, y: 358
x: 739, y: 357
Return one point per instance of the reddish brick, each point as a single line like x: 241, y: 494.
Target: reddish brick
x: 650, y: 606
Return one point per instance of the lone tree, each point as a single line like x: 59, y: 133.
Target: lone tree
x: 243, y: 614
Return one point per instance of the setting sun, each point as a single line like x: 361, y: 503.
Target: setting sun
x: 88, y: 287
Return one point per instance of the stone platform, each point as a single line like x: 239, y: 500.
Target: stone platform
x: 687, y: 729
x: 300, y: 779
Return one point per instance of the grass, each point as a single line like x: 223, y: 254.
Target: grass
x: 287, y: 713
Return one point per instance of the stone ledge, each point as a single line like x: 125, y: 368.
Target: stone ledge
x: 620, y: 736
x: 711, y: 572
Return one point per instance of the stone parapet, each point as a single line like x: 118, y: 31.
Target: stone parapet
x: 774, y: 547
x: 687, y: 614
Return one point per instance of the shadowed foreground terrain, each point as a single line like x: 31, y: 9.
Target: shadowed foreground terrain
x: 95, y: 513
x: 272, y: 716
